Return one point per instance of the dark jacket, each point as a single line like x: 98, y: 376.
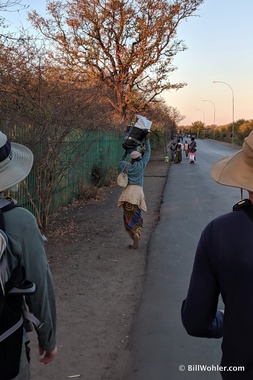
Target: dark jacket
x: 224, y: 266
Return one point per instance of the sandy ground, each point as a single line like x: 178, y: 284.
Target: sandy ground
x: 98, y: 282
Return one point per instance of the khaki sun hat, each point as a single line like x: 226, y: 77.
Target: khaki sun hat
x: 135, y: 154
x: 16, y: 162
x: 237, y: 169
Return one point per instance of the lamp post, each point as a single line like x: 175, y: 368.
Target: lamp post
x: 197, y: 109
x: 233, y: 107
x: 213, y: 116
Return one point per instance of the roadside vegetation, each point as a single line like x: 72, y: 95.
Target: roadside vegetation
x: 224, y: 133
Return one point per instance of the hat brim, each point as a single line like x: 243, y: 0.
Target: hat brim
x: 233, y: 171
x: 135, y: 155
x: 18, y: 168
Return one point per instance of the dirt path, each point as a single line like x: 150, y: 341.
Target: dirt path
x: 98, y: 282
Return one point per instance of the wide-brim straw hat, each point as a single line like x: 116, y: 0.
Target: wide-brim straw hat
x: 237, y: 169
x: 16, y: 162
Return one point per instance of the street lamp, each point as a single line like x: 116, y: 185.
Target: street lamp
x: 197, y: 109
x: 233, y: 107
x: 213, y: 116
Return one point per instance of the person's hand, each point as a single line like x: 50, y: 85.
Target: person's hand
x: 47, y: 357
x: 146, y: 133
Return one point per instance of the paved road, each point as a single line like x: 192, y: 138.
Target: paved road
x: 159, y: 344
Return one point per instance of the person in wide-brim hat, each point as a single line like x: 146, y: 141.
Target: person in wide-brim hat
x: 236, y: 170
x: 16, y: 162
x: 222, y: 271
x: 23, y: 261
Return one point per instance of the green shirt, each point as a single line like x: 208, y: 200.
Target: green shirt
x: 25, y: 241
x: 136, y: 171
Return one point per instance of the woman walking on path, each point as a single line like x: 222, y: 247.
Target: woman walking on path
x: 132, y: 199
x: 178, y: 155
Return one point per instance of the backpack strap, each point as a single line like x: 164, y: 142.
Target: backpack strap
x: 3, y: 267
x: 30, y: 319
x: 3, y: 245
x: 12, y: 329
x: 246, y: 206
x: 15, y: 285
x: 249, y: 212
x: 8, y: 206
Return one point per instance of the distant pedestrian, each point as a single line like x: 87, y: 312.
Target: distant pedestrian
x: 172, y: 150
x: 186, y: 148
x: 178, y: 153
x: 223, y: 266
x: 193, y: 145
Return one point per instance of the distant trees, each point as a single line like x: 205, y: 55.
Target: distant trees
x: 245, y: 128
x: 124, y: 46
x: 241, y: 127
x: 197, y: 128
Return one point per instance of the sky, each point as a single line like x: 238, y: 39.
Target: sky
x: 219, y: 44
x: 220, y: 48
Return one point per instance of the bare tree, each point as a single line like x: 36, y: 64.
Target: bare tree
x: 127, y: 46
x: 43, y: 107
x: 10, y: 6
x: 164, y: 119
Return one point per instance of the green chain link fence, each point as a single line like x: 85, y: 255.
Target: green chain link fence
x: 90, y: 158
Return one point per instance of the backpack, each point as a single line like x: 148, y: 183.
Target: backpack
x: 192, y: 147
x: 173, y: 145
x: 13, y: 287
